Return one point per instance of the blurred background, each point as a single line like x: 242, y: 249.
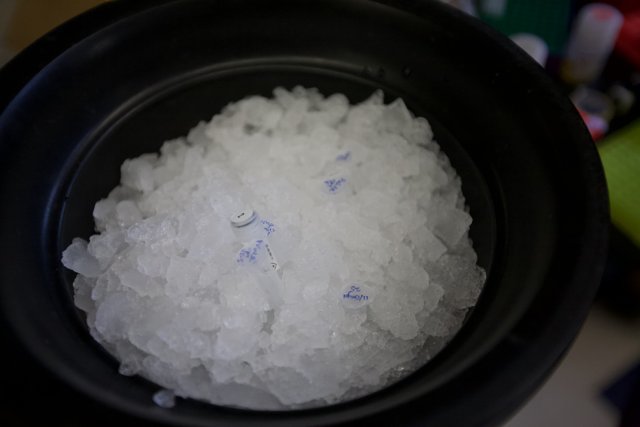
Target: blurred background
x: 592, y: 51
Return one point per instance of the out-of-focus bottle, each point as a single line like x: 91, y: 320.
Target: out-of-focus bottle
x: 496, y: 8
x: 592, y: 39
x: 533, y: 45
x: 595, y: 108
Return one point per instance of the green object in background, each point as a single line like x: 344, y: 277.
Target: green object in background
x: 620, y: 154
x: 547, y: 19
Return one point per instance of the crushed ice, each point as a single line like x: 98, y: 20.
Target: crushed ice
x: 352, y: 269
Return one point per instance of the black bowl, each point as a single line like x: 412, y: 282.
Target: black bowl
x: 118, y: 81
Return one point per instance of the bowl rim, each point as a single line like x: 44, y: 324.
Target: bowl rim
x: 593, y: 245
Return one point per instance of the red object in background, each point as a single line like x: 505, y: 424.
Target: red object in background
x: 625, y: 6
x: 628, y: 42
x: 596, y: 125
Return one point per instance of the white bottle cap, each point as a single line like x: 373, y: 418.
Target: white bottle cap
x: 242, y: 218
x: 533, y: 45
x: 592, y: 39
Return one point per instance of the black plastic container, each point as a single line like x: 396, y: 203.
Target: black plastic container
x: 119, y: 80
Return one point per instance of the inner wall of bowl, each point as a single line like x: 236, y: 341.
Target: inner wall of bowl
x: 169, y: 112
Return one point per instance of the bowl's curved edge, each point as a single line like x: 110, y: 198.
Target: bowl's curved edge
x: 16, y: 73
x: 593, y: 244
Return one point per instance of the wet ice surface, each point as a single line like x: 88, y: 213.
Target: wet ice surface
x: 356, y: 206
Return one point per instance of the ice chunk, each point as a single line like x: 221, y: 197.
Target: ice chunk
x: 419, y: 132
x: 451, y: 225
x: 164, y: 398
x: 127, y: 212
x: 427, y: 244
x: 137, y: 174
x: 77, y: 258
x: 114, y: 315
x: 104, y: 212
x: 396, y: 117
x: 182, y: 276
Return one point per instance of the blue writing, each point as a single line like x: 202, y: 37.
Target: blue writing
x: 249, y: 254
x: 268, y: 226
x: 354, y: 294
x: 334, y: 184
x: 344, y: 157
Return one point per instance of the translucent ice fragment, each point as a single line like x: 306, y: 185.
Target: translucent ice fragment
x: 164, y: 398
